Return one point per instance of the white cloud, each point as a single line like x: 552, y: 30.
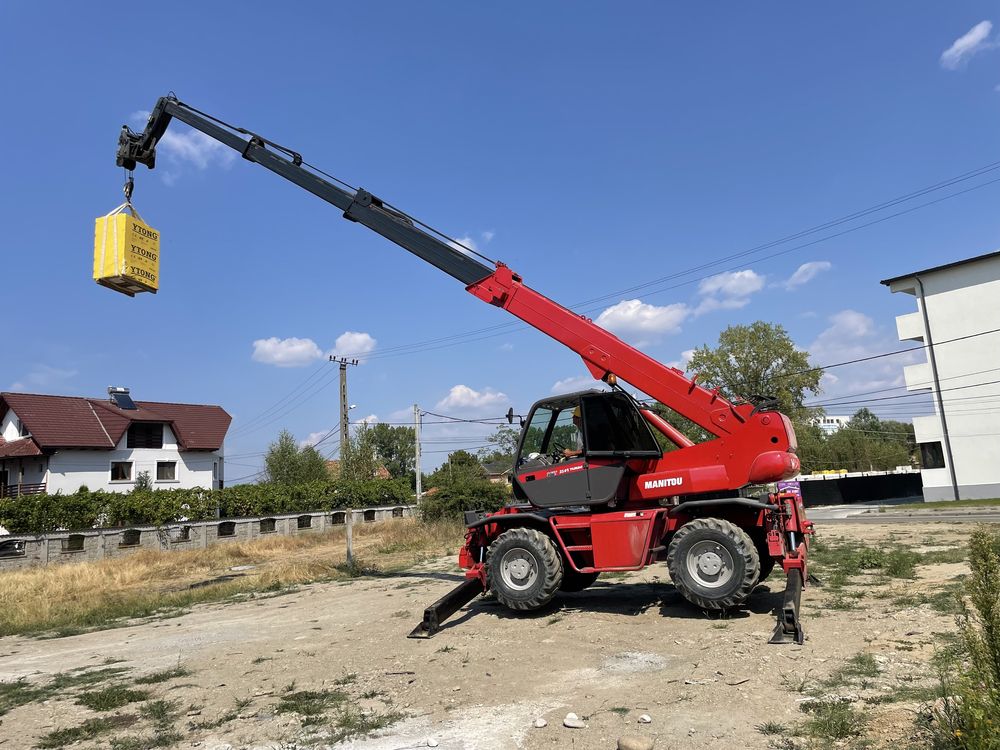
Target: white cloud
x: 185, y: 146
x: 807, y: 272
x: 853, y: 335
x: 709, y: 304
x: 733, y: 283
x: 734, y: 288
x: 463, y: 398
x: 967, y: 45
x: 472, y: 244
x: 635, y: 319
x: 290, y: 352
x: 354, y: 345
x: 684, y: 361
x: 313, y: 438
x: 576, y: 383
x: 41, y: 377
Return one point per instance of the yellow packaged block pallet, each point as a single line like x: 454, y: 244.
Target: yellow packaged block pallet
x: 126, y: 252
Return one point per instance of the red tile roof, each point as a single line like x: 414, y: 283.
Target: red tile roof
x: 19, y: 448
x: 76, y: 422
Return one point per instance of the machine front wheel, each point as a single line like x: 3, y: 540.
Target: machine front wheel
x: 523, y: 569
x: 713, y: 563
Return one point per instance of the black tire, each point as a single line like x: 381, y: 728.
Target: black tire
x: 713, y: 563
x: 523, y: 569
x: 574, y: 581
x: 767, y: 564
x: 764, y: 555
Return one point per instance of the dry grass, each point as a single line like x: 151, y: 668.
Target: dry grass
x: 73, y: 597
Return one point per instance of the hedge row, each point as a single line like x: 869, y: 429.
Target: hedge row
x: 39, y: 514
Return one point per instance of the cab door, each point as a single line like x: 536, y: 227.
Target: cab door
x: 543, y: 475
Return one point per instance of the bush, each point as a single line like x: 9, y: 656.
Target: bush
x: 40, y: 514
x: 453, y: 498
x: 970, y: 714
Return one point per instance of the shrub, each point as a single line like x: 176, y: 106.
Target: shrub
x: 39, y: 514
x: 453, y: 498
x: 968, y: 717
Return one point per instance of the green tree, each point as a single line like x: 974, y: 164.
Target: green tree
x: 503, y: 445
x: 358, y: 459
x: 281, y: 463
x: 395, y: 447
x: 759, y: 360
x: 285, y: 463
x: 461, y: 465
x: 312, y: 465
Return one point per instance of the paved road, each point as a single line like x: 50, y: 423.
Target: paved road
x: 869, y: 514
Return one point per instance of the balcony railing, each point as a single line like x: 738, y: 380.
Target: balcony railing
x: 16, y: 490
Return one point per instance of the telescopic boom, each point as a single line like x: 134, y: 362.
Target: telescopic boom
x: 750, y: 452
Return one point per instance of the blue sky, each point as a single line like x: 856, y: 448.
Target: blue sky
x: 591, y: 148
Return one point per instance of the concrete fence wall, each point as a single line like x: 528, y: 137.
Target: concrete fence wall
x: 25, y: 551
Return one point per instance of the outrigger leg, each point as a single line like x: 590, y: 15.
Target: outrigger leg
x: 446, y: 606
x: 789, y: 628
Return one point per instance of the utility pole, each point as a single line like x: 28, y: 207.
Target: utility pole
x: 416, y: 445
x: 345, y: 435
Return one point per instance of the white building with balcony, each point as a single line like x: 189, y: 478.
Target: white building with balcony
x: 958, y: 321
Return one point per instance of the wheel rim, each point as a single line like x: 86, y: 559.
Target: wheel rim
x: 710, y: 564
x: 518, y: 570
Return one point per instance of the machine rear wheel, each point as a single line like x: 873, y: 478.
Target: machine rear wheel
x: 523, y: 569
x: 713, y: 563
x: 574, y: 581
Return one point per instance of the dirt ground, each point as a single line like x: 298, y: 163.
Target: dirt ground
x: 627, y: 646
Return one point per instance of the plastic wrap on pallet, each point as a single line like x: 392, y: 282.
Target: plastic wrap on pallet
x: 126, y: 252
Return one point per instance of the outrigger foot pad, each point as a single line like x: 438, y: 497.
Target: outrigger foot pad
x: 446, y: 606
x: 789, y: 629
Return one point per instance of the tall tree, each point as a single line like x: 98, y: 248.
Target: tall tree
x: 759, y: 360
x: 285, y: 463
x: 358, y: 460
x: 503, y: 445
x: 395, y: 448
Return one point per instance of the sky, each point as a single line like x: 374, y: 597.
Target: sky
x: 615, y: 156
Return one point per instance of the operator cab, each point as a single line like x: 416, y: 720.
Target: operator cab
x: 574, y: 449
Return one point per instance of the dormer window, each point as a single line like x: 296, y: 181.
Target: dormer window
x: 22, y: 430
x: 145, y: 435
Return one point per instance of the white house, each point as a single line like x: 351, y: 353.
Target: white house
x: 958, y: 320
x: 58, y: 443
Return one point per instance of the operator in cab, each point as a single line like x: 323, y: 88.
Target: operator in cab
x: 576, y: 447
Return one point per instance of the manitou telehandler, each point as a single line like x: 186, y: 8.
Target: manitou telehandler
x: 593, y: 489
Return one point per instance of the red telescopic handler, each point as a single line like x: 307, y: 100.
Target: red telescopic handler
x: 594, y: 491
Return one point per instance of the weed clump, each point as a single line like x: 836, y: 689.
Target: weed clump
x: 969, y: 715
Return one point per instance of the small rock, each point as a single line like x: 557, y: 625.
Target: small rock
x: 572, y: 721
x: 541, y: 723
x: 645, y: 719
x: 635, y: 743
x: 431, y: 742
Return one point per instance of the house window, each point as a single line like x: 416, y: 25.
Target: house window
x: 227, y: 528
x: 166, y: 471
x: 267, y: 526
x: 22, y: 431
x: 13, y: 548
x: 183, y: 534
x: 121, y: 471
x: 369, y: 516
x: 305, y: 522
x: 215, y: 470
x: 338, y: 518
x: 145, y: 435
x: 130, y: 538
x: 397, y: 512
x: 931, y: 456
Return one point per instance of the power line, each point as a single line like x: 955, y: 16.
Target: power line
x: 885, y: 354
